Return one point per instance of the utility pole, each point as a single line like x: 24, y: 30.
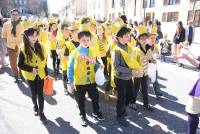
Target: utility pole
x: 193, y: 10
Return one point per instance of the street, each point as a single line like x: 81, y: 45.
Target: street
x: 169, y: 116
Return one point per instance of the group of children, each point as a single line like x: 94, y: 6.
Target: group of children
x: 78, y: 48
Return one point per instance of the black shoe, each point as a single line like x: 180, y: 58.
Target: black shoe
x: 43, y: 118
x: 122, y: 121
x: 159, y: 94
x: 148, y: 108
x: 83, y: 121
x: 36, y: 112
x: 98, y: 116
x: 133, y: 106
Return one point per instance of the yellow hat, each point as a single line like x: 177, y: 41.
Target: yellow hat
x: 116, y: 28
x: 39, y: 22
x: 84, y: 27
x: 153, y: 30
x: 141, y: 30
x: 84, y: 19
x: 107, y: 22
x: 74, y: 26
x: 52, y: 21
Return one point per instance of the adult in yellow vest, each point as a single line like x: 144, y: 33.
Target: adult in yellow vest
x: 81, y: 75
x: 32, y: 62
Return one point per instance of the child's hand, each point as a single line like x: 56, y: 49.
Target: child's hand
x: 35, y: 70
x: 72, y: 88
x: 101, y: 66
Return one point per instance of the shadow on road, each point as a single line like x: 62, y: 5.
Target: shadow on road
x: 63, y: 127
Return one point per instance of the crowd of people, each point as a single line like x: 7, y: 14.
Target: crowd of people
x: 125, y: 51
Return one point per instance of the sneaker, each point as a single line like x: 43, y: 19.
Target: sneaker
x: 98, y: 116
x: 159, y: 94
x: 17, y: 80
x: 43, y: 118
x: 122, y: 121
x: 36, y: 112
x: 107, y: 97
x: 133, y: 106
x: 83, y: 121
x: 148, y: 108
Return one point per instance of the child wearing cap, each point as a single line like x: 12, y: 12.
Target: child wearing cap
x: 142, y: 55
x: 123, y: 65
x: 81, y: 75
x: 155, y: 55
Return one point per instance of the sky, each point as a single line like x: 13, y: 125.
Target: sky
x: 56, y: 5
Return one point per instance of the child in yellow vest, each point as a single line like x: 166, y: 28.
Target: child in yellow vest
x: 155, y: 55
x: 142, y: 54
x: 81, y: 75
x: 32, y: 62
x: 53, y: 36
x: 64, y: 53
x: 123, y: 73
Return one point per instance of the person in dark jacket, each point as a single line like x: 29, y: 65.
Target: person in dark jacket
x: 179, y: 38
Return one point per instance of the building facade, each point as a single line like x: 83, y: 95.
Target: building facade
x: 168, y: 12
x: 36, y: 7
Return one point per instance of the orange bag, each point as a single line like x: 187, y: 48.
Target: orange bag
x: 48, y: 85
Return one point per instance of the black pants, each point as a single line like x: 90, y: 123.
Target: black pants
x: 190, y: 41
x: 104, y: 59
x: 93, y: 94
x: 64, y: 78
x: 36, y: 87
x: 108, y: 85
x: 156, y: 85
x: 143, y: 81
x: 56, y: 61
x: 125, y: 95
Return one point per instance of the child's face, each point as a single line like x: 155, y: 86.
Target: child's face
x: 125, y: 39
x: 65, y: 31
x: 85, y: 41
x: 33, y: 38
x: 143, y: 40
x: 54, y: 27
x: 152, y: 39
x: 74, y: 35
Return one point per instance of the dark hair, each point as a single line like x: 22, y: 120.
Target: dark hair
x: 123, y: 31
x: 15, y: 10
x: 64, y: 25
x: 135, y: 23
x: 145, y: 34
x: 150, y: 22
x: 124, y: 18
x: 27, y: 46
x: 1, y: 23
x: 85, y: 20
x: 84, y: 33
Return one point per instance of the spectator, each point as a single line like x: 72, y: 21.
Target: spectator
x: 190, y: 33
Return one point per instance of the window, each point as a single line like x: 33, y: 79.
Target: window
x: 164, y: 18
x: 144, y: 3
x: 152, y: 3
x: 196, y: 16
x: 170, y: 17
x: 113, y: 3
x: 171, y: 2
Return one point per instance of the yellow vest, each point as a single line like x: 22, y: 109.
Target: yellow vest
x: 43, y: 38
x: 36, y: 62
x: 142, y: 59
x: 131, y: 62
x: 102, y: 47
x: 81, y: 68
x: 70, y: 46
